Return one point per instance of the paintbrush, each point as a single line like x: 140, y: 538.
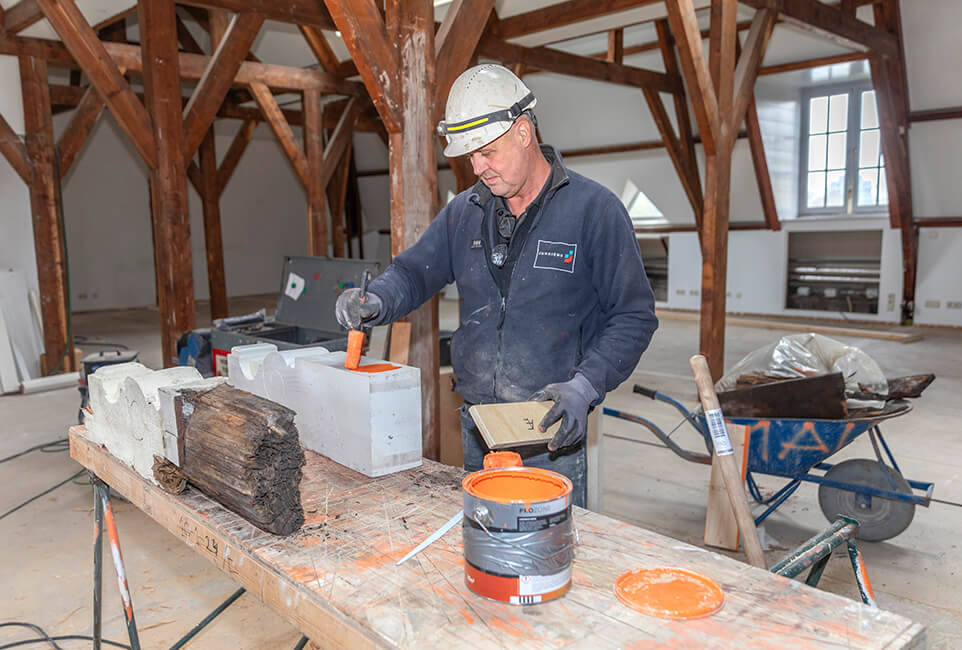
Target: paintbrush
x: 355, y: 338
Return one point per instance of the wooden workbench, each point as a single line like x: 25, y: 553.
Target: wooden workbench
x: 335, y: 580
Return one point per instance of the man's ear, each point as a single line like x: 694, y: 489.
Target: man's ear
x: 525, y: 131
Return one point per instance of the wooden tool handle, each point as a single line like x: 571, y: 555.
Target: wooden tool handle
x: 726, y: 462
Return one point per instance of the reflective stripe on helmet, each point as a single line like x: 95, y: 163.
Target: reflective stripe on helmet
x: 507, y: 115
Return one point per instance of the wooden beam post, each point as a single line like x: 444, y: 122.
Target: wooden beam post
x: 104, y: 74
x: 316, y: 198
x: 13, y: 149
x: 81, y: 124
x: 282, y: 130
x: 217, y: 79
x: 47, y: 233
x: 760, y: 163
x: 234, y: 153
x: 168, y: 179
x: 616, y: 45
x: 336, y: 196
x: 213, y: 241
x: 691, y: 180
x: 413, y: 191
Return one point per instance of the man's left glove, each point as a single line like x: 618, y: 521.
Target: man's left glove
x: 571, y: 401
x: 351, y: 311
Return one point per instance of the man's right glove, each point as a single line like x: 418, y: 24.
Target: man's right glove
x: 351, y: 312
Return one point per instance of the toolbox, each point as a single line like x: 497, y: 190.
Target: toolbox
x: 305, y: 309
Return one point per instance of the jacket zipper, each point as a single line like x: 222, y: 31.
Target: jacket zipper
x: 504, y: 305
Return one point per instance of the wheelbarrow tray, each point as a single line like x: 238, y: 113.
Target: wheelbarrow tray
x: 793, y: 446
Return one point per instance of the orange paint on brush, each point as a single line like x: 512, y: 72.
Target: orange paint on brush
x: 355, y: 342
x: 669, y: 592
x: 513, y: 486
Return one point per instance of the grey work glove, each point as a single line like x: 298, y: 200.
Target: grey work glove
x: 571, y: 401
x: 351, y: 311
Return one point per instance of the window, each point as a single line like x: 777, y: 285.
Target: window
x: 842, y: 168
x: 640, y: 208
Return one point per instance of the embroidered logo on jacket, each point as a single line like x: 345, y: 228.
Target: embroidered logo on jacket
x: 475, y: 243
x: 556, y: 256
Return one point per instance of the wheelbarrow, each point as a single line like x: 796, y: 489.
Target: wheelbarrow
x: 873, y: 492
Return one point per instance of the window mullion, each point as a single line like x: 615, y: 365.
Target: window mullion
x: 852, y: 144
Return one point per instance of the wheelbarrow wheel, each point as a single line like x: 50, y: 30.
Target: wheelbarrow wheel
x: 879, y: 519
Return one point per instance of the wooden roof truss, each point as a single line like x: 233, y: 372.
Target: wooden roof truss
x: 406, y: 64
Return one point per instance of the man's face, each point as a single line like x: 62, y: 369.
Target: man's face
x: 501, y: 164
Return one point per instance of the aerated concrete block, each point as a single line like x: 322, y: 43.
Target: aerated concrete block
x: 368, y: 421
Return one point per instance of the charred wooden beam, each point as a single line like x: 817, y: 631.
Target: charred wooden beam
x: 242, y: 451
x: 168, y: 178
x: 89, y: 52
x: 47, y: 232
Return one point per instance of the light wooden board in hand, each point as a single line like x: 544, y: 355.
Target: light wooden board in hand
x: 512, y: 424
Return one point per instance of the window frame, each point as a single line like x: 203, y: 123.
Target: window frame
x: 849, y: 207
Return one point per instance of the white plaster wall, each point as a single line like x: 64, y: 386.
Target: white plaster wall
x: 938, y: 291
x: 109, y: 233
x: 16, y: 225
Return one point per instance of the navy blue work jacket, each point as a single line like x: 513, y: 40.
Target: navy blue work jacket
x: 578, y: 299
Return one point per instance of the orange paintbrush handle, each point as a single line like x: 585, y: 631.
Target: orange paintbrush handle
x: 355, y: 342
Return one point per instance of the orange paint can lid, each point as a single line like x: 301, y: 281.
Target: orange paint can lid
x: 669, y: 592
x: 494, y: 459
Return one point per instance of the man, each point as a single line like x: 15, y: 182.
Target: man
x: 555, y: 303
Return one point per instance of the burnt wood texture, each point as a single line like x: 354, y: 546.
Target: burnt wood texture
x: 242, y: 451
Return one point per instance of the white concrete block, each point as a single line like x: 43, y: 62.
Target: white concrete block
x: 368, y: 421
x: 125, y: 405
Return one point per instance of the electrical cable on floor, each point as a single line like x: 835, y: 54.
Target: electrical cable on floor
x: 46, y: 447
x: 45, y: 492
x: 52, y: 640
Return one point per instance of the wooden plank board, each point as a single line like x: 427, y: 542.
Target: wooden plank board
x: 512, y: 424
x: 335, y: 580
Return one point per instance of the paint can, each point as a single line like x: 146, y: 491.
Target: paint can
x: 518, y: 534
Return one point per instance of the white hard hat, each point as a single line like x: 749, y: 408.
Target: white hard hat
x: 483, y: 104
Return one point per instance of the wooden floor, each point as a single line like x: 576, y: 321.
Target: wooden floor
x: 336, y: 581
